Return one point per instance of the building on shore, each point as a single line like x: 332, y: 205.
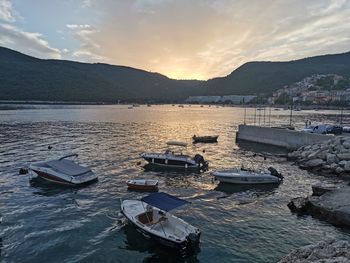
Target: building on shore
x: 228, y: 99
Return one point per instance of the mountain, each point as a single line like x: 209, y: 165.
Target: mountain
x: 27, y: 78
x: 266, y: 77
x: 24, y: 77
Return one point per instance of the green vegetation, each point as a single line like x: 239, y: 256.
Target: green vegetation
x: 267, y: 77
x: 27, y: 78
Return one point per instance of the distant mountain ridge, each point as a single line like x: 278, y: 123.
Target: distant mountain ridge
x: 27, y: 78
x: 23, y: 77
x: 267, y: 77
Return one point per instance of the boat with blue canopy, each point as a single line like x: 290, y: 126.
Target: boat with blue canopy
x: 151, y: 217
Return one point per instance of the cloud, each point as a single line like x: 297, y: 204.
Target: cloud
x: 205, y: 39
x: 6, y: 11
x: 190, y: 38
x: 27, y: 42
x: 88, y: 50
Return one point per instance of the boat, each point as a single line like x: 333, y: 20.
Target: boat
x: 205, y: 139
x: 142, y: 185
x: 150, y: 217
x: 172, y: 160
x: 62, y: 171
x: 239, y: 176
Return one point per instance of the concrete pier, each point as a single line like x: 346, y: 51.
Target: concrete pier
x: 285, y: 138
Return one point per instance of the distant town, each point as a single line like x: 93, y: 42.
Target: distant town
x: 317, y: 89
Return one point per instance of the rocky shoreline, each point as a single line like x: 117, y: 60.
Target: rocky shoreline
x: 327, y: 202
x: 329, y: 251
x: 331, y: 157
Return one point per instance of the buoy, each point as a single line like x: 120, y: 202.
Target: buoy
x: 203, y: 151
x: 49, y: 147
x: 23, y: 171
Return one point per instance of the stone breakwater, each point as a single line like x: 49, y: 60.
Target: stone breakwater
x: 327, y: 202
x: 324, y: 251
x: 330, y: 157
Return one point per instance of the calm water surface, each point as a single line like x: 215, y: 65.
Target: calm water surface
x: 46, y: 223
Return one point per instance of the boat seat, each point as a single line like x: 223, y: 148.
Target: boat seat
x: 146, y: 218
x: 68, y: 167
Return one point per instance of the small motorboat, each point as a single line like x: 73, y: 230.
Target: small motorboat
x: 240, y: 176
x: 205, y: 139
x: 171, y: 160
x: 148, y: 185
x: 151, y: 218
x: 62, y: 171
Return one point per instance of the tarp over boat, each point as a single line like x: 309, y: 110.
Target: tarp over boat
x: 164, y: 201
x: 68, y: 167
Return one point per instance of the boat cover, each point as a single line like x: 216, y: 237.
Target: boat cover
x: 163, y: 201
x: 68, y: 167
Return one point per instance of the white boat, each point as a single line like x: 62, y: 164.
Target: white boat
x: 62, y: 171
x: 151, y: 218
x: 172, y: 160
x: 142, y: 184
x: 239, y: 176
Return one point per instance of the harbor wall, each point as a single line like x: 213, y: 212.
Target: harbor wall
x: 285, y: 138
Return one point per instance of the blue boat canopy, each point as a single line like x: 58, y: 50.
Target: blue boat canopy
x: 164, y: 201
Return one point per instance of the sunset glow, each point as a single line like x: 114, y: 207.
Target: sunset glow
x: 180, y: 39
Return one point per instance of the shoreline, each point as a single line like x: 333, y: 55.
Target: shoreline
x: 280, y: 107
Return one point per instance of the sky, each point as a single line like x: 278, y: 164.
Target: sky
x: 182, y: 39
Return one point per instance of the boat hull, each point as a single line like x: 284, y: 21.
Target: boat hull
x: 162, y: 162
x: 246, y: 178
x: 205, y: 139
x: 58, y: 180
x: 182, y: 245
x: 142, y: 187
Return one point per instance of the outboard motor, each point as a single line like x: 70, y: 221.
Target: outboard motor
x: 200, y: 160
x: 274, y: 172
x: 193, y: 242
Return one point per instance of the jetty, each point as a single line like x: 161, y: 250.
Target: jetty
x: 285, y: 138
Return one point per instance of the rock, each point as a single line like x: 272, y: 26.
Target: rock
x: 294, y: 155
x: 343, y: 150
x: 312, y: 155
x: 334, y: 166
x: 320, y: 189
x: 326, y: 167
x: 314, y: 163
x: 339, y: 170
x: 305, y: 154
x: 332, y: 206
x: 298, y: 205
x: 331, y: 158
x: 344, y: 156
x: 342, y: 163
x: 347, y: 166
x: 330, y: 251
x: 322, y: 155
x: 346, y: 144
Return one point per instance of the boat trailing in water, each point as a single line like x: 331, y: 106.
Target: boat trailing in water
x: 62, y: 171
x: 151, y: 218
x: 175, y: 160
x: 205, y: 139
x: 239, y: 176
x: 148, y: 185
